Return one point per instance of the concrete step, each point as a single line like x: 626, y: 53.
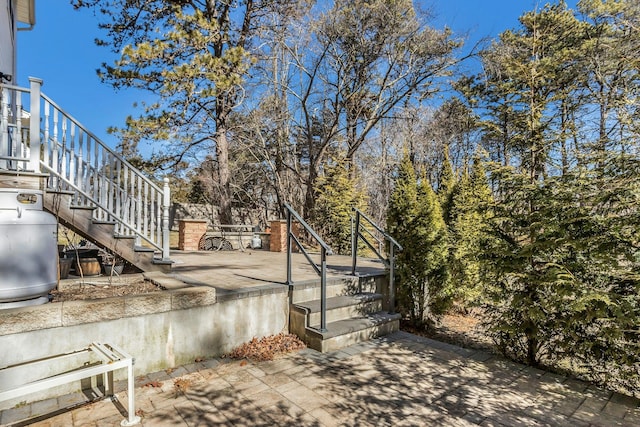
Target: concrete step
x: 344, y: 333
x: 342, y: 307
x: 336, y: 286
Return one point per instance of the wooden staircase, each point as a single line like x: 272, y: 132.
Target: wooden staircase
x: 89, y: 187
x: 356, y: 311
x: 80, y: 220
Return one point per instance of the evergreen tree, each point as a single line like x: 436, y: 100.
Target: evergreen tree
x: 415, y: 220
x: 431, y: 243
x: 337, y: 193
x: 193, y: 58
x: 564, y: 273
x: 446, y: 185
x: 468, y: 231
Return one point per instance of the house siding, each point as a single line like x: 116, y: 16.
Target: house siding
x: 8, y: 37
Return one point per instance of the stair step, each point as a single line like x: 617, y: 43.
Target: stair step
x: 163, y: 264
x: 123, y: 236
x: 83, y: 207
x: 63, y: 192
x: 336, y: 286
x: 344, y: 333
x: 340, y: 301
x: 104, y: 222
x: 143, y: 249
x: 342, y: 307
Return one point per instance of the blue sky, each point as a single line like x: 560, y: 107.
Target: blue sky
x: 61, y: 51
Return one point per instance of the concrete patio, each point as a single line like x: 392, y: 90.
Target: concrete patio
x: 401, y: 379
x: 241, y: 270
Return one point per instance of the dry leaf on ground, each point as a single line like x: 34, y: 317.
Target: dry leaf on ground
x: 268, y: 347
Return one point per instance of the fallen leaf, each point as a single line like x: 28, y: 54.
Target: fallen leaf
x: 154, y: 384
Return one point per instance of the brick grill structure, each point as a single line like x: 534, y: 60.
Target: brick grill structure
x: 278, y: 239
x: 190, y: 231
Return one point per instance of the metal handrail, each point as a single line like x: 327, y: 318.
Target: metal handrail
x: 321, y: 270
x: 390, y: 262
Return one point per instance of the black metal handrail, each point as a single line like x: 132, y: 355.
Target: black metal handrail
x: 321, y: 270
x: 357, y: 235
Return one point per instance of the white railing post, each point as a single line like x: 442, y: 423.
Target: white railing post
x: 166, y: 203
x: 34, y: 124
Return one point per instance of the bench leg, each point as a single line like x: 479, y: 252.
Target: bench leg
x: 107, y: 379
x: 133, y: 419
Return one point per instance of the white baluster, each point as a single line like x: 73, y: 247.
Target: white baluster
x: 139, y: 210
x: 4, y: 127
x: 125, y: 194
x: 96, y: 177
x: 73, y: 161
x: 132, y: 197
x: 156, y: 228
x: 53, y: 143
x: 87, y: 173
x: 104, y: 187
x: 19, y: 150
x: 119, y: 194
x: 79, y: 166
x: 145, y: 216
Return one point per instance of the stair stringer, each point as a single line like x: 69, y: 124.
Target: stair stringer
x: 80, y: 220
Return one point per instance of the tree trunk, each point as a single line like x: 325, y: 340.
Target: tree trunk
x: 224, y: 175
x: 310, y: 196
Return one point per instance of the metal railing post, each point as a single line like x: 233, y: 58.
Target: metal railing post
x: 354, y: 244
x: 320, y: 270
x: 34, y: 124
x: 392, y: 290
x: 323, y: 291
x: 289, y: 281
x: 166, y: 204
x: 390, y: 262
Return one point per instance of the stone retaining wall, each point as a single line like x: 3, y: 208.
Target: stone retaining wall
x: 160, y: 330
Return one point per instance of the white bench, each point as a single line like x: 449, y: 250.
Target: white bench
x: 111, y: 359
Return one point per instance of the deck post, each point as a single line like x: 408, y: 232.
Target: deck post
x: 34, y: 125
x: 166, y: 203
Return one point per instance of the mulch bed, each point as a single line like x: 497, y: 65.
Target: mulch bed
x: 89, y: 290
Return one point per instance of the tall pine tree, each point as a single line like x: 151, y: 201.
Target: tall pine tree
x: 468, y: 231
x: 415, y: 219
x: 337, y: 192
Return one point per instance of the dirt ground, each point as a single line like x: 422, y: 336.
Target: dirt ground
x: 462, y: 330
x: 91, y: 288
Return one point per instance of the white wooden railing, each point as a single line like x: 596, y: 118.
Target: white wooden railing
x: 36, y: 135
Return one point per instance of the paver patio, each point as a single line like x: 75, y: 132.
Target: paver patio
x: 398, y: 380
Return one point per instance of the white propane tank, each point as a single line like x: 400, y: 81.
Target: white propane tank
x: 256, y: 242
x: 28, y: 249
